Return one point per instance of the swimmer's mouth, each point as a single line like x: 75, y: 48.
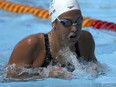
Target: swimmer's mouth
x: 73, y: 37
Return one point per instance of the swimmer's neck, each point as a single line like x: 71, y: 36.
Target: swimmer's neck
x: 56, y: 42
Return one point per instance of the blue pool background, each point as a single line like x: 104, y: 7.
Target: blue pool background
x: 14, y: 27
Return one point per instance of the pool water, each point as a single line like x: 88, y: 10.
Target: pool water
x: 14, y: 27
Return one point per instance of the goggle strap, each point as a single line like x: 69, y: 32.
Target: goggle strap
x: 56, y: 17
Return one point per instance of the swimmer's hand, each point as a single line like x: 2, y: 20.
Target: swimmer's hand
x: 57, y: 72
x: 94, y: 66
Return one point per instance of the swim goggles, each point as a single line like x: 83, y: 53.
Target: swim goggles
x: 68, y: 22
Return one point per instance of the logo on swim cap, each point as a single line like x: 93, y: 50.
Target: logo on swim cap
x: 70, y: 7
x: 58, y: 7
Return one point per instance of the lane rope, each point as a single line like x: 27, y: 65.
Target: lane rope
x: 98, y: 24
x: 20, y: 8
x: 42, y: 13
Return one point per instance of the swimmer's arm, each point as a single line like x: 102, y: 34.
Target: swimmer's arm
x: 91, y: 47
x: 29, y: 52
x: 92, y: 56
x: 87, y: 46
x: 22, y: 72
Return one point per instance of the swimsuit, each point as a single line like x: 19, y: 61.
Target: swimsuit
x: 48, y: 57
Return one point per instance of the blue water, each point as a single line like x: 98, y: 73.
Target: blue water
x: 14, y: 27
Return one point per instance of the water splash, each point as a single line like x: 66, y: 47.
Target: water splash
x: 83, y: 69
x: 25, y: 74
x: 69, y: 56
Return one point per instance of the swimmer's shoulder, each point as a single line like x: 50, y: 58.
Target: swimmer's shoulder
x: 28, y: 49
x: 33, y: 39
x: 86, y: 36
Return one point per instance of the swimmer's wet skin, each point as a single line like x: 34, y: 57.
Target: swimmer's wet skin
x: 38, y: 50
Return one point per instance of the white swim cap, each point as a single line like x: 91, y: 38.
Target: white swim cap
x: 57, y: 7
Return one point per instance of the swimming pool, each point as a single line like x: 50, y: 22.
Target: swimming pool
x: 14, y: 27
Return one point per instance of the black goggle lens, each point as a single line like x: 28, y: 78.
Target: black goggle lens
x: 66, y: 22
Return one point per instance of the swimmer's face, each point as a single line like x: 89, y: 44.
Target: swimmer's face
x: 69, y: 26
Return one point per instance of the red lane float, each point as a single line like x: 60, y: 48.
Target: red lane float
x: 98, y: 24
x: 104, y: 25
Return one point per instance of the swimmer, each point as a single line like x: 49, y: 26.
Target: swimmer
x: 38, y: 50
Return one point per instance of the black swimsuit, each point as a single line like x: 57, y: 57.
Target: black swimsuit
x: 48, y: 57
